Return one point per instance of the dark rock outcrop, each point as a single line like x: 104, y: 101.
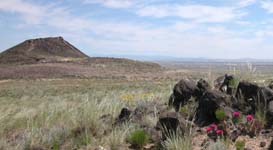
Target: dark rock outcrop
x: 225, y: 84
x: 208, y: 104
x: 170, y: 123
x: 247, y: 91
x: 265, y: 95
x: 185, y: 89
x: 123, y: 116
x: 229, y: 80
x: 270, y: 85
x: 252, y: 97
x: 246, y: 96
x: 182, y: 92
x: 269, y: 115
x: 202, y: 87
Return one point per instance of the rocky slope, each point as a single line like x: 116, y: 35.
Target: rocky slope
x: 54, y: 57
x: 42, y: 50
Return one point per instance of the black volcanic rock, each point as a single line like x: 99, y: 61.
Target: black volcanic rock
x: 41, y: 50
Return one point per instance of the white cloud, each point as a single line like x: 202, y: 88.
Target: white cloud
x: 30, y: 12
x: 179, y: 38
x: 267, y: 5
x: 266, y: 32
x: 121, y: 3
x: 245, y: 3
x: 112, y: 3
x: 49, y: 15
x: 199, y: 13
x: 184, y: 26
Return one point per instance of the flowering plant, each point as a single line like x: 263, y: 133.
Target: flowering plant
x: 249, y: 118
x: 236, y: 114
x: 219, y: 132
x: 214, y: 132
x: 236, y: 117
x: 243, y: 125
x: 213, y: 126
x: 209, y: 129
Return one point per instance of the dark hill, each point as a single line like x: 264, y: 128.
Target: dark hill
x: 42, y: 50
x: 56, y: 58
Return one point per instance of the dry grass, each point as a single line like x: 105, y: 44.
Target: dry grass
x: 88, y: 68
x: 65, y: 114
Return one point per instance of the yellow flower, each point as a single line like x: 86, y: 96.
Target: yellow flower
x: 147, y: 95
x: 127, y: 97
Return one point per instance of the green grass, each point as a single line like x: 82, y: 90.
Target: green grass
x: 139, y: 138
x: 65, y: 114
x: 178, y: 142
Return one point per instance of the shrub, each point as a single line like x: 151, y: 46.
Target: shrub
x: 139, y: 138
x: 220, y: 114
x: 240, y: 145
x: 236, y: 118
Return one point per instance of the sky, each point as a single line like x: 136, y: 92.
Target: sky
x: 226, y: 29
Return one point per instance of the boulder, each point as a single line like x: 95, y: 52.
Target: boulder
x: 265, y: 95
x: 269, y: 115
x: 207, y: 105
x: 270, y: 85
x: 182, y: 92
x: 225, y: 84
x: 123, y: 116
x: 170, y: 123
x: 185, y: 89
x: 246, y: 96
x: 202, y: 87
x: 247, y: 91
x: 251, y: 98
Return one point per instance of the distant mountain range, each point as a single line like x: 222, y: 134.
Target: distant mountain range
x: 57, y: 49
x: 183, y: 59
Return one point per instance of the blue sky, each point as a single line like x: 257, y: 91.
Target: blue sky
x: 178, y: 28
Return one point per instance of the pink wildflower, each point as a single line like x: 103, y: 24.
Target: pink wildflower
x: 208, y: 129
x: 213, y: 126
x: 249, y: 117
x: 236, y: 114
x: 219, y: 132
